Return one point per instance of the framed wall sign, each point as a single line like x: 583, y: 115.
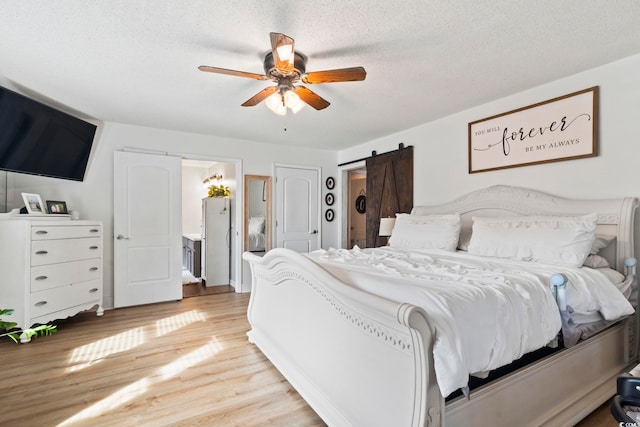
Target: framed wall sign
x: 562, y: 128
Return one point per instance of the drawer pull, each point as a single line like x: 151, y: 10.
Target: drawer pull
x: 93, y: 268
x: 42, y: 232
x: 42, y: 253
x: 94, y: 290
x: 40, y: 303
x: 41, y: 277
x: 94, y: 230
x: 93, y: 248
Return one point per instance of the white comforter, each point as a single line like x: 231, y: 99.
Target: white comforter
x: 486, y: 312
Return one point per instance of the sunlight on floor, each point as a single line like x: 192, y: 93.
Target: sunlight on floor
x: 90, y: 354
x: 136, y: 389
x: 197, y: 356
x: 170, y: 324
x: 95, y: 352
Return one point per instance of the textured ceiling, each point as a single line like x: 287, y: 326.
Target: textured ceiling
x: 135, y: 61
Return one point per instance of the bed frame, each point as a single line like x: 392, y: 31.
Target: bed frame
x: 361, y: 360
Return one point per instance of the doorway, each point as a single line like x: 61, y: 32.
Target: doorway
x: 356, y: 208
x: 207, y: 229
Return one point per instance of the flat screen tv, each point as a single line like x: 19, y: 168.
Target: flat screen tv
x: 39, y: 140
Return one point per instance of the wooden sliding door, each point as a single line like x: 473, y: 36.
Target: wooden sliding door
x: 389, y: 190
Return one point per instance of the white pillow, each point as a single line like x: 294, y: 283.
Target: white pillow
x: 596, y: 261
x: 600, y: 242
x: 256, y: 225
x: 426, y: 232
x: 560, y: 240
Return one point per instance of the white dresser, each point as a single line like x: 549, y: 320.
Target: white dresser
x: 50, y: 268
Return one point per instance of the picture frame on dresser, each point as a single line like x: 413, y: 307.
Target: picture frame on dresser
x: 33, y: 203
x: 57, y: 207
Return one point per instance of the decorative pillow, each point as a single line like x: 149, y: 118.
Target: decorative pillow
x: 426, y: 232
x: 560, y: 240
x: 256, y: 225
x: 596, y: 261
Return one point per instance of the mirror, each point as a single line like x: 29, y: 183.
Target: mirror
x: 257, y: 213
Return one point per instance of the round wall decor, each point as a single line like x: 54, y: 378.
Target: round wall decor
x: 330, y: 183
x: 329, y: 214
x: 361, y: 203
x: 329, y: 199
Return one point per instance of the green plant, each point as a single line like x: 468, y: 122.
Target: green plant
x: 6, y: 328
x: 219, y: 191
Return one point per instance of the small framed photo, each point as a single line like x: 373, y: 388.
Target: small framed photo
x: 33, y: 203
x: 55, y: 207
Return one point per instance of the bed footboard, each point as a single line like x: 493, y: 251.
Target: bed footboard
x: 356, y: 358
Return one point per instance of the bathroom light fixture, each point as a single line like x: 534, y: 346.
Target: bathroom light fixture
x: 209, y: 180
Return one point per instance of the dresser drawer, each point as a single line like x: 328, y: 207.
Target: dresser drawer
x: 54, y: 275
x: 56, y: 299
x: 54, y: 251
x: 65, y: 232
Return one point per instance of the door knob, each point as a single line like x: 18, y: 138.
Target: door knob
x: 314, y: 232
x: 121, y: 237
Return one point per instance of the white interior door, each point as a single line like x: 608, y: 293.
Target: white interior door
x: 297, y: 208
x: 147, y: 227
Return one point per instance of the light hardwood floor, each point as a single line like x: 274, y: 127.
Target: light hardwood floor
x: 184, y: 363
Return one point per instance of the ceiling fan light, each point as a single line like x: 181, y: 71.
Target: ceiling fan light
x: 276, y: 104
x: 285, y: 52
x: 293, y: 101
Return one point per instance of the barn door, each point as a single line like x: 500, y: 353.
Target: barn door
x: 389, y: 190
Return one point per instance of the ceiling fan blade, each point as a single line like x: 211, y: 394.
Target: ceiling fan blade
x: 353, y: 74
x: 311, y: 98
x: 282, y: 48
x: 260, y: 96
x: 217, y: 70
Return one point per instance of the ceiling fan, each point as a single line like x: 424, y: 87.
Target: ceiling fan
x: 287, y: 68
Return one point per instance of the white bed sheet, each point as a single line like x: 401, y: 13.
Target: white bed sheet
x: 486, y: 312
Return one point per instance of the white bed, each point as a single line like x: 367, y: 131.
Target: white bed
x: 364, y: 360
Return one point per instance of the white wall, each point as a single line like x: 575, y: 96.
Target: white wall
x: 193, y: 191
x: 441, y: 146
x: 440, y: 156
x: 3, y: 192
x: 94, y: 197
